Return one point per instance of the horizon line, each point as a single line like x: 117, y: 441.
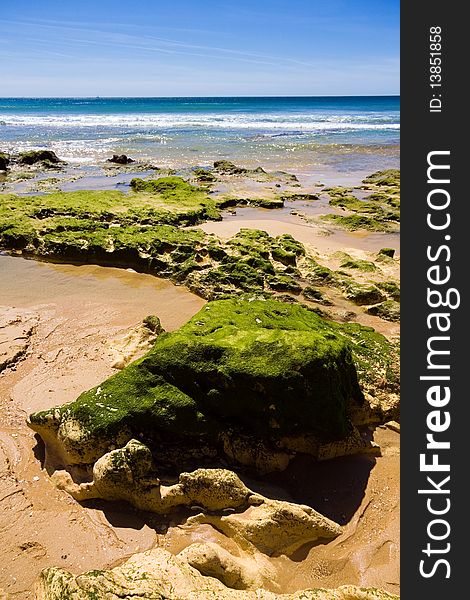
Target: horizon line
x: 211, y: 96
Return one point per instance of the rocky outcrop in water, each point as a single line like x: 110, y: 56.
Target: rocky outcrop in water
x: 47, y: 157
x: 120, y: 159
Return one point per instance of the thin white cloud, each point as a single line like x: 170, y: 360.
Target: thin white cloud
x: 102, y: 37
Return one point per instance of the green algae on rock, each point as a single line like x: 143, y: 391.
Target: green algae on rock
x: 354, y: 263
x: 389, y: 252
x: 311, y: 293
x: 283, y: 283
x: 143, y: 230
x: 388, y: 177
x: 133, y: 230
x: 388, y: 310
x: 252, y: 370
x: 391, y: 288
x: 358, y: 221
x: 178, y: 195
x: 251, y: 261
x: 168, y: 200
x: 229, y: 168
x: 204, y: 176
x: 226, y: 167
x: 230, y: 202
x: 362, y: 293
x: 380, y: 211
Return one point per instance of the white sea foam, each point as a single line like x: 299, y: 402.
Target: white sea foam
x: 263, y: 122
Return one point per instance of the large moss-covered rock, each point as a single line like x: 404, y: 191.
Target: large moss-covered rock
x: 237, y: 380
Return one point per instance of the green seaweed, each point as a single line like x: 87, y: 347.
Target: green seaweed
x: 280, y: 282
x: 391, y: 288
x: 311, y: 293
x: 388, y: 177
x: 322, y: 275
x: 355, y: 222
x: 347, y: 262
x: 374, y: 213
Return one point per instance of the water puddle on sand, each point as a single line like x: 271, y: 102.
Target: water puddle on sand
x: 279, y: 221
x: 26, y: 283
x: 110, y: 181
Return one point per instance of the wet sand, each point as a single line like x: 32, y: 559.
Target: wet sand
x: 362, y: 494
x: 79, y: 310
x: 29, y: 282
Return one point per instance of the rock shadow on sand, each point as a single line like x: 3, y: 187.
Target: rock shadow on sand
x: 335, y: 488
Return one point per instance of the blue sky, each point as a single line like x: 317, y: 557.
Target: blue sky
x: 199, y: 48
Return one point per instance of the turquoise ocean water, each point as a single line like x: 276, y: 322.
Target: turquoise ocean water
x: 302, y: 131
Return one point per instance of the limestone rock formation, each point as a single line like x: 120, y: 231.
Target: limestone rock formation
x: 270, y: 526
x: 158, y: 575
x: 130, y: 474
x: 237, y: 572
x: 137, y: 341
